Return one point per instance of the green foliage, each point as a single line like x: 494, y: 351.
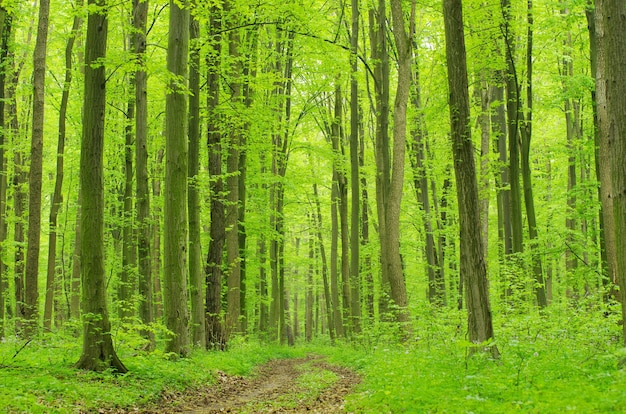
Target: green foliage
x: 566, y: 360
x: 38, y: 376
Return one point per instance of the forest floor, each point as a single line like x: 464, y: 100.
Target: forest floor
x: 300, y: 385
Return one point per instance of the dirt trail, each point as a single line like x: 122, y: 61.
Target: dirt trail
x: 304, y: 385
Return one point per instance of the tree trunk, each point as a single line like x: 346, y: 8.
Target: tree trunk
x: 5, y: 29
x: 611, y: 104
x: 529, y: 200
x: 57, y: 197
x: 175, y: 211
x: 327, y: 295
x: 157, y: 173
x: 355, y: 243
x: 98, y: 352
x: 146, y: 307
x: 31, y: 296
x: 473, y: 265
x: 196, y: 288
x: 213, y: 271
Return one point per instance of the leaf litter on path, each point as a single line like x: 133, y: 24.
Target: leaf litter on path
x: 301, y: 385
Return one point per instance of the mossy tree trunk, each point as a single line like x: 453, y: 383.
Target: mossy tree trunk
x: 98, y: 353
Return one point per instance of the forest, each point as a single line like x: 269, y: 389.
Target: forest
x: 369, y: 206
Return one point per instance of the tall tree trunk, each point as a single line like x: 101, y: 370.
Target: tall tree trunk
x: 529, y: 200
x: 604, y: 216
x: 327, y: 295
x: 334, y: 242
x: 213, y: 271
x: 146, y: 308
x: 611, y: 104
x: 155, y: 229
x: 36, y: 171
x: 473, y: 261
x: 196, y: 282
x: 98, y: 351
x: 513, y: 121
x: 233, y: 295
x: 175, y: 226
x: 126, y: 283
x: 394, y: 196
x: 5, y: 29
x: 355, y: 242
x: 57, y: 197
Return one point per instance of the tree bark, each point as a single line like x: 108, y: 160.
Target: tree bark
x: 611, y: 103
x: 473, y: 266
x: 175, y: 230
x: 146, y: 305
x: 31, y: 296
x: 196, y: 288
x: 98, y: 352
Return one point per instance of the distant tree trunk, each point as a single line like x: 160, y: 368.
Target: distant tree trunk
x: 317, y: 219
x: 368, y: 279
x: 233, y: 72
x: 513, y: 121
x: 338, y: 217
x: 5, y: 29
x: 126, y: 283
x: 355, y: 242
x: 308, y: 318
x: 196, y: 288
x: 213, y: 271
x: 31, y: 296
x: 526, y: 135
x: 156, y: 235
x: 98, y: 352
x: 75, y: 293
x: 146, y: 312
x: 611, y: 104
x: 57, y: 198
x: 175, y: 226
x: 574, y: 134
x: 334, y: 272
x: 436, y: 282
x: 473, y: 261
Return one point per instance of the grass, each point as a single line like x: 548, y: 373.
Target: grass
x: 563, y: 361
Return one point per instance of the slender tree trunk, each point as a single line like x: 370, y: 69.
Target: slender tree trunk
x: 175, y: 229
x: 320, y: 239
x: 5, y: 29
x: 98, y: 351
x: 196, y: 282
x: 36, y: 171
x: 473, y: 264
x: 213, y: 271
x: 156, y: 235
x: 308, y: 313
x: 355, y: 242
x: 529, y: 200
x: 334, y: 272
x: 146, y: 307
x: 57, y: 198
x: 233, y: 295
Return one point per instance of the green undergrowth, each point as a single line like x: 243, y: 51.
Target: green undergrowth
x: 39, y: 377
x: 565, y: 360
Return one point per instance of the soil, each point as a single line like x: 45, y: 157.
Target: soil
x: 303, y: 385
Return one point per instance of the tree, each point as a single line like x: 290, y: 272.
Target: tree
x: 193, y: 200
x: 611, y: 105
x: 57, y: 197
x: 473, y: 265
x: 98, y: 353
x: 36, y: 171
x: 175, y: 211
x: 140, y: 15
x: 5, y: 29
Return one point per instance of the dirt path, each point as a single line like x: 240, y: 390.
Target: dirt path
x: 301, y: 385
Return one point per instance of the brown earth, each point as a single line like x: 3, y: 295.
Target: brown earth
x: 304, y: 385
